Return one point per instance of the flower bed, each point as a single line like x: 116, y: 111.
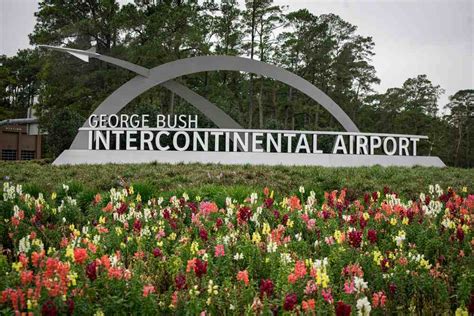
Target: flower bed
x: 123, y: 255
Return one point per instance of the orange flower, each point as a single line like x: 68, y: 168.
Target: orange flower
x: 243, y: 276
x: 295, y: 203
x: 97, y: 199
x: 80, y: 255
x: 308, y: 305
x: 109, y: 207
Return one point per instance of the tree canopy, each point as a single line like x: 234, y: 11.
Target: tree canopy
x: 324, y: 49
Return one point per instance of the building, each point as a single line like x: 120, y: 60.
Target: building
x: 20, y: 139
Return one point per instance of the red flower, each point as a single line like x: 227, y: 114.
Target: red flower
x: 266, y: 287
x: 460, y: 234
x: 203, y: 234
x: 290, y: 301
x: 200, y: 267
x: 70, y: 306
x: 372, y: 236
x: 91, y: 271
x: 49, y: 309
x: 80, y: 255
x: 355, y: 238
x: 343, y: 309
x: 180, y: 281
x: 157, y: 252
x: 244, y: 214
x: 137, y: 226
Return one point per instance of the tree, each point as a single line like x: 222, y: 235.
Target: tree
x: 261, y: 18
x: 461, y: 117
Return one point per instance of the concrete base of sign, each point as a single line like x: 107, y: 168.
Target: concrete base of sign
x: 75, y: 156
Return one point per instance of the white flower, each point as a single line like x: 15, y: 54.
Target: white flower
x: 285, y: 258
x: 363, y: 306
x: 359, y: 284
x: 431, y: 189
x: 320, y: 264
x: 302, y: 189
x: 298, y: 237
x: 24, y: 245
x: 272, y: 247
x: 238, y: 256
x: 65, y: 187
x: 253, y: 198
x: 185, y: 196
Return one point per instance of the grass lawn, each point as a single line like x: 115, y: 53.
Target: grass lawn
x: 219, y: 181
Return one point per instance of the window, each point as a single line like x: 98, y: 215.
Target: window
x: 8, y: 154
x: 27, y: 154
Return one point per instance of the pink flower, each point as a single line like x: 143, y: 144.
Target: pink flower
x: 148, y: 289
x: 219, y: 251
x: 208, y: 208
x: 327, y: 296
x: 349, y: 288
x: 311, y: 287
x: 379, y: 299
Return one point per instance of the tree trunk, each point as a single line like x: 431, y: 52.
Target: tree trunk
x: 260, y: 105
x: 458, y: 145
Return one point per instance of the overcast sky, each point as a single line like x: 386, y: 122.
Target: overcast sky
x: 433, y: 37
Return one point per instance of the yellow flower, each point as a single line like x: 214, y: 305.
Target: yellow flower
x: 172, y: 236
x: 256, y: 237
x: 308, y: 262
x: 131, y: 190
x: 393, y: 221
x: 366, y: 216
x: 377, y: 256
x: 17, y: 266
x: 194, y: 247
x: 118, y: 230
x: 322, y: 278
x: 53, y: 196
x: 102, y: 220
x: 51, y: 250
x: 425, y: 264
x: 266, y: 229
x: 70, y: 252
x: 31, y: 304
x: 461, y: 311
x: 289, y: 223
x: 99, y: 313
x: 72, y: 276
x: 71, y: 227
x: 464, y: 189
x: 338, y: 236
x: 139, y: 197
x: 405, y: 221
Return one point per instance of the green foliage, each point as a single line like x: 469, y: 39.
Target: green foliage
x: 218, y: 181
x: 323, y: 49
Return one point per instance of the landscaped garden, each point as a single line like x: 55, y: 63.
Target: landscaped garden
x: 75, y: 247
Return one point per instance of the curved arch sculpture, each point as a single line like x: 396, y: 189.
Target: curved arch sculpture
x: 164, y: 74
